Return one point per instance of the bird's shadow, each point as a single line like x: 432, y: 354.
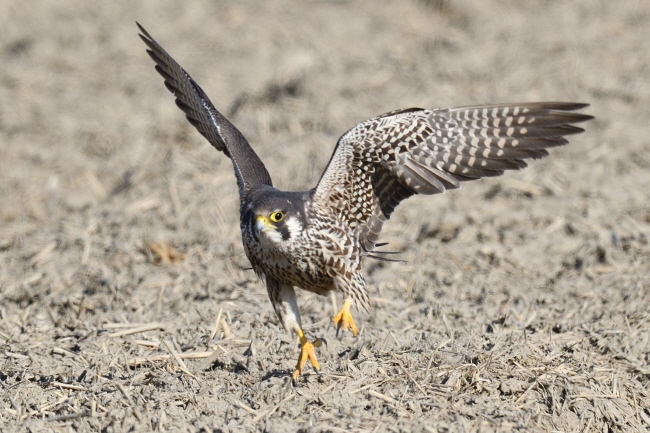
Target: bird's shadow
x: 276, y: 373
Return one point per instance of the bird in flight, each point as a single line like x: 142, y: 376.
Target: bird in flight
x: 316, y: 239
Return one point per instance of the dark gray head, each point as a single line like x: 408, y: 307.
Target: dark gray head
x: 272, y: 216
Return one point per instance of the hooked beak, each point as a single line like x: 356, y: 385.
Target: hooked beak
x: 263, y: 224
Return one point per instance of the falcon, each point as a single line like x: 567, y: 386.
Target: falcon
x: 316, y: 239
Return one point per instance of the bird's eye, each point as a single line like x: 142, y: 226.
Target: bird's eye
x: 276, y: 217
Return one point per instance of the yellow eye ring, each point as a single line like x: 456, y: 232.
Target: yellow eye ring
x: 276, y: 217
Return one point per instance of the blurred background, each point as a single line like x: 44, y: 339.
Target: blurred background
x: 96, y: 162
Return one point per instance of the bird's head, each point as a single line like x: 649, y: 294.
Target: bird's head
x: 276, y: 219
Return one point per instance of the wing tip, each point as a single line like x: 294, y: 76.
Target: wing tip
x: 143, y: 32
x: 564, y: 106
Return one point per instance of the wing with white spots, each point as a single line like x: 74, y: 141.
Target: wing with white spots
x: 384, y: 160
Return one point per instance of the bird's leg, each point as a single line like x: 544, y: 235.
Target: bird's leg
x: 307, y: 352
x: 343, y: 320
x: 283, y: 298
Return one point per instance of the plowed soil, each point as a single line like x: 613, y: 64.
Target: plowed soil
x: 126, y: 303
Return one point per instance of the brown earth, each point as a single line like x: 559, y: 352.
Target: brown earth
x: 523, y: 304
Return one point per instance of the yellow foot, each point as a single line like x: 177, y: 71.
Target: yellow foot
x: 307, y: 352
x: 344, y: 321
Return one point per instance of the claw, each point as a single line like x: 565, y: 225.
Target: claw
x: 307, y: 353
x: 344, y: 321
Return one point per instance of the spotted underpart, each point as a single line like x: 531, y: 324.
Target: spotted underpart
x: 318, y: 254
x: 325, y: 232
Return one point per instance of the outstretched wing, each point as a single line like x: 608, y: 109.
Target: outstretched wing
x: 384, y: 160
x: 200, y: 112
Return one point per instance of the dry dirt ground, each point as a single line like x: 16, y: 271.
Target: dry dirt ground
x: 523, y: 301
